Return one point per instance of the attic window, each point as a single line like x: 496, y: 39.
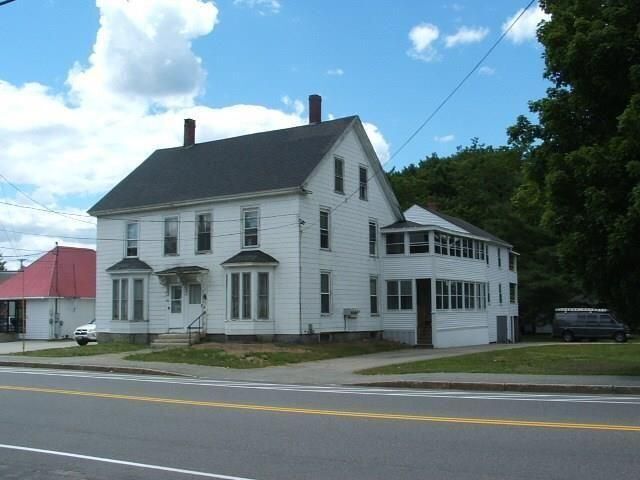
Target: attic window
x: 363, y: 183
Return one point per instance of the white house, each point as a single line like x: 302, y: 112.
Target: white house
x: 279, y: 235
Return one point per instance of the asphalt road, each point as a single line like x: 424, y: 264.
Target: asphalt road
x: 74, y: 425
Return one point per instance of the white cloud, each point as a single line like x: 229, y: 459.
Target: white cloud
x: 466, y: 35
x: 69, y: 147
x: 422, y: 37
x: 445, y: 138
x: 262, y: 6
x: 335, y: 71
x: 486, y: 70
x: 525, y: 29
x: 380, y: 145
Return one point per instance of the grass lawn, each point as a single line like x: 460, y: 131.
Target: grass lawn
x: 261, y: 355
x: 85, y: 351
x: 573, y: 359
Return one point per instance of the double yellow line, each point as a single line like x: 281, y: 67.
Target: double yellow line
x: 330, y: 413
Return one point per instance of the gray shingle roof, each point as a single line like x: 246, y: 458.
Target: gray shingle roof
x: 129, y: 264
x: 472, y: 229
x: 183, y: 270
x: 250, y: 256
x: 250, y: 163
x: 403, y: 224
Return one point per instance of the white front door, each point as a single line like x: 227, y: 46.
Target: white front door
x: 176, y: 315
x: 194, y: 304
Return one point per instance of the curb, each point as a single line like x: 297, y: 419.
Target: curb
x: 508, y: 387
x: 93, y: 368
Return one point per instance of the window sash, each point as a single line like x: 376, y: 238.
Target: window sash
x: 138, y: 299
x: 455, y: 246
x: 513, y: 293
x: 124, y: 299
x: 171, y: 236
x: 373, y: 239
x: 203, y: 232
x: 115, y: 299
x: 500, y: 293
x: 235, y: 295
x: 419, y: 242
x: 324, y: 229
x: 441, y: 241
x: 399, y: 295
x: 373, y: 295
x: 250, y: 227
x: 132, y: 239
x: 339, y: 175
x: 394, y: 243
x: 363, y: 183
x: 263, y: 296
x: 325, y: 293
x: 176, y: 299
x: 246, y: 295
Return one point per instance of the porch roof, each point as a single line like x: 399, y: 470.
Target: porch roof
x: 251, y: 256
x: 129, y: 264
x: 186, y: 270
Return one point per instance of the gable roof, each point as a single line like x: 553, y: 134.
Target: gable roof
x: 259, y: 162
x: 418, y: 211
x: 61, y: 272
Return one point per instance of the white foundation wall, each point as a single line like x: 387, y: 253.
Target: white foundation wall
x: 278, y: 237
x: 348, y: 259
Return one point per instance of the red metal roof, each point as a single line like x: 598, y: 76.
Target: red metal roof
x: 62, y: 272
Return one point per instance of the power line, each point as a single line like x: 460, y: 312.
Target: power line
x: 5, y: 2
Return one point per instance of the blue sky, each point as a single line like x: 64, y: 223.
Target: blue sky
x: 91, y: 88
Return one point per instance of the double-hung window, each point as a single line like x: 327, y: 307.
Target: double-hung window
x: 338, y: 165
x: 203, y: 232
x: 455, y: 246
x: 235, y: 296
x: 263, y: 296
x: 138, y: 299
x: 399, y: 295
x: 373, y: 238
x: 171, y: 227
x: 442, y: 294
x: 115, y: 300
x: 324, y: 229
x: 127, y: 299
x: 325, y: 293
x: 395, y: 243
x: 513, y: 293
x: 499, y: 260
x: 363, y: 183
x: 373, y: 295
x: 512, y: 261
x: 419, y: 242
x: 132, y: 239
x: 250, y: 227
x: 246, y: 295
x: 500, y: 293
x: 441, y: 243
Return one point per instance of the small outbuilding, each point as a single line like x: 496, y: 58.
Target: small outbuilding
x: 58, y: 292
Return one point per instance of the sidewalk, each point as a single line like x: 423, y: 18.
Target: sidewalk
x: 340, y: 371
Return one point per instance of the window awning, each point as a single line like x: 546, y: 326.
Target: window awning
x: 188, y: 270
x: 129, y: 264
x: 250, y: 257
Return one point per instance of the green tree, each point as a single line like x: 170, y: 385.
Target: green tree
x: 583, y: 159
x: 2, y: 264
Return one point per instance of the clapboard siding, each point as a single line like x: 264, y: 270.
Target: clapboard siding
x: 348, y: 260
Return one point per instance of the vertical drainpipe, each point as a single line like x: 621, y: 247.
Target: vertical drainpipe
x: 300, y: 223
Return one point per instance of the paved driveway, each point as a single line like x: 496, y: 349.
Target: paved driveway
x: 31, y: 345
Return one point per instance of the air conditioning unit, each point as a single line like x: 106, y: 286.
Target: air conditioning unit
x: 351, y: 312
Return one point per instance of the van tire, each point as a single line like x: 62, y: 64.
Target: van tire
x: 82, y: 342
x: 620, y: 337
x: 567, y: 336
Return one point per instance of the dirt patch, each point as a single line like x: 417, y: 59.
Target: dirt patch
x: 241, y: 348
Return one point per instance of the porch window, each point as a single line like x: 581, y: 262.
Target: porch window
x: 235, y: 295
x: 246, y: 295
x: 263, y: 296
x: 456, y: 295
x: 442, y: 294
x: 176, y: 299
x: 513, y: 293
x: 132, y: 239
x: 399, y: 295
x: 419, y: 242
x: 138, y: 299
x: 203, y: 233
x: 455, y: 246
x: 250, y: 227
x: 467, y: 248
x: 395, y: 243
x: 441, y: 243
x: 171, y: 236
x: 338, y: 164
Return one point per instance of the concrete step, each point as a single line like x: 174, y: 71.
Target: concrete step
x: 174, y: 340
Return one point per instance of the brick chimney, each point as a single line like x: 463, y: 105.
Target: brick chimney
x: 315, y: 109
x: 189, y: 132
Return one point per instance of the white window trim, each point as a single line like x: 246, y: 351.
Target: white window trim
x: 376, y: 252
x: 242, y: 223
x: 386, y: 297
x: 366, y: 196
x: 341, y: 159
x: 254, y: 295
x: 326, y: 210
x: 164, y: 236
x: 126, y: 239
x: 130, y: 298
x: 404, y: 243
x: 330, y: 312
x: 195, y: 231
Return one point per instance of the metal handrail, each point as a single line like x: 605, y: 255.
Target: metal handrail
x: 198, y: 327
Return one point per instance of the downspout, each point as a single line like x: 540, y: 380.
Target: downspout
x: 300, y: 224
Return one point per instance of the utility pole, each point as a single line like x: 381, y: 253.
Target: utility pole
x: 24, y: 308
